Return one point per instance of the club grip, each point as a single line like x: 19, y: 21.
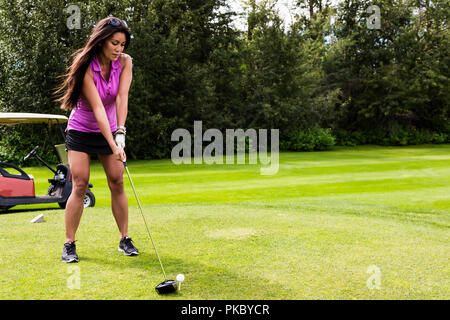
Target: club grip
x: 125, y: 164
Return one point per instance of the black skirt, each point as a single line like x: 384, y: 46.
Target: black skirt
x: 87, y: 142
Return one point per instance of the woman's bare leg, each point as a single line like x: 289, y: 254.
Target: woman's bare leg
x: 119, y: 202
x: 79, y: 167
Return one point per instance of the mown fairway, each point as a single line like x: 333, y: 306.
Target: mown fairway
x: 353, y: 223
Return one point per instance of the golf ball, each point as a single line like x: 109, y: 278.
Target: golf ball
x: 180, y: 278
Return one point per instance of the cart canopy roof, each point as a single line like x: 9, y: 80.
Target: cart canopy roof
x: 11, y: 118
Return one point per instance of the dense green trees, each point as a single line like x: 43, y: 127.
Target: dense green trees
x: 394, y: 78
x: 328, y: 69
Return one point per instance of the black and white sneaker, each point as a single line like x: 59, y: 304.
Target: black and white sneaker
x: 69, y: 254
x: 127, y: 247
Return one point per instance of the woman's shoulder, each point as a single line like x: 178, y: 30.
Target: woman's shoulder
x: 89, y: 72
x: 125, y: 59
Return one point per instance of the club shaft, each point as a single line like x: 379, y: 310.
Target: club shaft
x: 145, y: 222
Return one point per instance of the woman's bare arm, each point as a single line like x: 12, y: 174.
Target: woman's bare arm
x: 124, y: 86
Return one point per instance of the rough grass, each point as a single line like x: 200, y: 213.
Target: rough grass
x: 312, y: 231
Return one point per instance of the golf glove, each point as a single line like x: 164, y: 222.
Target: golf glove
x: 120, y: 140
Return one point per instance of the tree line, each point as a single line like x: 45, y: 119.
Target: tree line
x: 328, y: 78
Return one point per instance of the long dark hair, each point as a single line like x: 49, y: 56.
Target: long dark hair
x: 71, y: 87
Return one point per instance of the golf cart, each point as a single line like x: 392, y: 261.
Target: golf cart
x: 17, y: 187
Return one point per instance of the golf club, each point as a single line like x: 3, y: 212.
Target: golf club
x: 167, y: 286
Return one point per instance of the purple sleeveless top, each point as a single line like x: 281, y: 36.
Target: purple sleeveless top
x: 82, y: 117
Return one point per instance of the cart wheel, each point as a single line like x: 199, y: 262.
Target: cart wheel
x: 89, y: 199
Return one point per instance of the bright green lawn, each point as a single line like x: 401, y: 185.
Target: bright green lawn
x: 309, y: 232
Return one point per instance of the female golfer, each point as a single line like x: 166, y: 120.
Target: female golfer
x: 96, y: 90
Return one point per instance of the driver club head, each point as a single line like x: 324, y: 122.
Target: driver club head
x: 167, y: 286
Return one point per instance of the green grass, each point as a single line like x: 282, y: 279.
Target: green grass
x: 309, y: 232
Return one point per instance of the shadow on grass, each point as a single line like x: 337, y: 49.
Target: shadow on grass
x: 3, y: 211
x: 202, y: 281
